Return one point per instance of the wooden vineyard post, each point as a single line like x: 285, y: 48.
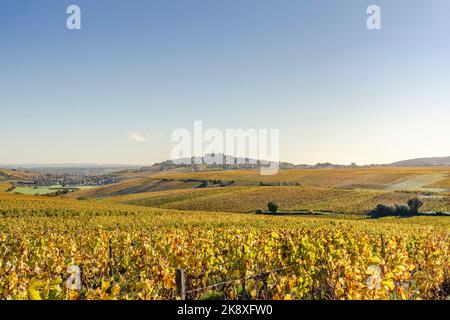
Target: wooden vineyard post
x: 110, y: 257
x: 181, y: 283
x: 244, y: 289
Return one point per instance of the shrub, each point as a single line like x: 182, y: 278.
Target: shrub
x: 259, y: 211
x: 399, y: 210
x: 273, y: 207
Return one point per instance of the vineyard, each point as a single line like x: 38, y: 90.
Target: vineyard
x: 248, y: 199
x: 132, y: 252
x: 4, y: 186
x: 376, y: 177
x: 442, y: 184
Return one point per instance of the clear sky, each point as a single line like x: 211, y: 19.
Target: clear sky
x: 114, y: 91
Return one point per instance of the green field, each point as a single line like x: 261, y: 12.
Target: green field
x: 43, y: 190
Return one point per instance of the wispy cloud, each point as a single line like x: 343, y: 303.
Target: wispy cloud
x: 135, y: 136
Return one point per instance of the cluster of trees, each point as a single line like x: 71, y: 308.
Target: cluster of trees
x: 58, y: 192
x: 271, y: 184
x: 215, y: 183
x: 398, y: 210
x: 412, y: 208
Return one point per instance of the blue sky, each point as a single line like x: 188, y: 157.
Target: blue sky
x: 337, y: 91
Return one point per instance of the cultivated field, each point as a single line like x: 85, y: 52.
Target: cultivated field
x: 371, y: 177
x: 249, y: 199
x: 128, y: 239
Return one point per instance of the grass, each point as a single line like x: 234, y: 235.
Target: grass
x: 25, y: 206
x: 34, y: 191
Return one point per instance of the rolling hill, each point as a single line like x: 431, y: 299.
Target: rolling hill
x: 434, y: 161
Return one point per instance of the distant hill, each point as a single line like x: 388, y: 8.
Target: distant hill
x: 201, y: 163
x: 13, y: 174
x: 435, y: 161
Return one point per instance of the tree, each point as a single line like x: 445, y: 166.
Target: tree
x: 382, y: 211
x: 273, y: 207
x: 414, y: 205
x: 402, y: 210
